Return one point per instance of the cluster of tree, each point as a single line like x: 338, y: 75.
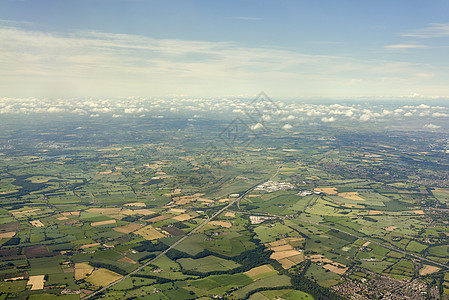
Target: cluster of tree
x: 109, y: 267
x: 159, y: 280
x: 150, y: 246
x: 267, y: 289
x: 302, y: 283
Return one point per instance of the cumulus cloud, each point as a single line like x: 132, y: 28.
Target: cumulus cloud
x: 439, y: 115
x: 328, y: 120
x: 116, y: 116
x: 257, y: 126
x: 431, y: 126
x: 365, y: 117
x: 287, y: 127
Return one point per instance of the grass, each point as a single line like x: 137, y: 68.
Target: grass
x: 53, y: 297
x: 287, y: 294
x: 268, y: 233
x: 44, y: 266
x: 416, y: 247
x: 12, y: 286
x: 440, y: 251
x: 207, y: 264
x: 191, y: 245
x: 273, y: 281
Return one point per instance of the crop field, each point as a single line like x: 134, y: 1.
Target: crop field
x: 85, y: 212
x: 207, y: 264
x: 102, y: 277
x: 149, y: 233
x: 284, y: 294
x: 261, y: 272
x: 273, y: 281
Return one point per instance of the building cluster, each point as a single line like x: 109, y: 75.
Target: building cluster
x: 273, y: 186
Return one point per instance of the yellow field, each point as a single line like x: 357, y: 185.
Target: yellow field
x: 286, y: 263
x: 183, y: 217
x: 428, y: 270
x: 284, y: 254
x: 128, y: 228
x: 351, y: 196
x: 221, y: 223
x: 206, y: 200
x: 418, y: 212
x: 282, y: 248
x: 366, y: 244
x: 329, y: 191
x: 105, y: 172
x: 178, y: 210
x: 82, y: 270
x: 374, y: 212
x: 319, y: 258
x: 230, y: 214
x: 71, y: 213
x: 149, y: 233
x: 259, y: 270
x: 7, y: 235
x: 102, y: 277
x: 103, y: 222
x: 62, y: 218
x: 36, y: 282
x: 129, y: 212
x: 158, y: 218
x: 89, y: 245
x: 339, y: 269
x: 25, y: 211
x: 37, y: 223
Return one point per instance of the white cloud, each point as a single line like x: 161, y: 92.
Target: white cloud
x: 365, y: 117
x: 257, y: 126
x: 425, y: 106
x: 439, y: 115
x: 102, y: 64
x: 431, y: 126
x: 433, y: 31
x: 405, y: 46
x: 328, y: 120
x: 287, y: 127
x: 116, y: 116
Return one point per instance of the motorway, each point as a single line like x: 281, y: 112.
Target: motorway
x: 422, y: 259
x: 415, y: 256
x: 181, y: 240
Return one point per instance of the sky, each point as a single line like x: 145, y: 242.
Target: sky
x: 324, y: 49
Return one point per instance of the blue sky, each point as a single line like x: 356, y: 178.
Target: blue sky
x: 105, y: 48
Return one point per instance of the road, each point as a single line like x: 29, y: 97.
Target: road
x: 422, y: 259
x: 181, y: 240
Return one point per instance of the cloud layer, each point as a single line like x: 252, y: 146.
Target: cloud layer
x: 42, y: 64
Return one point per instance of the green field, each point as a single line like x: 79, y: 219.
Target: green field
x: 207, y: 264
